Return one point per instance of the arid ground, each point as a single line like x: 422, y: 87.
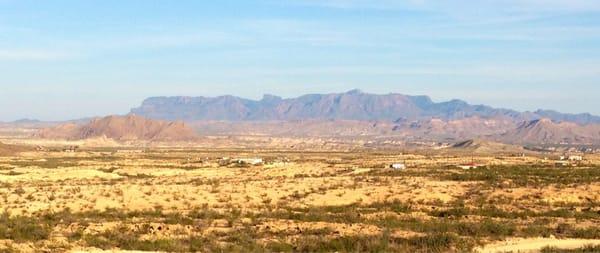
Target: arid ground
x: 182, y: 200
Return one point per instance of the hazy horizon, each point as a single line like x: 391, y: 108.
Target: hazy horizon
x: 73, y: 59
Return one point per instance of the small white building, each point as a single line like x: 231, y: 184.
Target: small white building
x: 251, y: 161
x: 469, y: 166
x: 575, y: 158
x: 398, y: 166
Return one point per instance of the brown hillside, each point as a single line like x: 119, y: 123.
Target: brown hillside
x: 547, y: 131
x: 455, y: 129
x: 123, y: 128
x: 478, y: 146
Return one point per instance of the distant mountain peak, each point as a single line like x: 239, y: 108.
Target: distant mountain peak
x: 269, y: 97
x: 26, y: 121
x: 354, y: 92
x: 581, y: 118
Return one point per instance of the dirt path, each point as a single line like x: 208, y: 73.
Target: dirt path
x: 535, y: 245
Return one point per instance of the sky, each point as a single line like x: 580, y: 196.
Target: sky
x: 68, y: 59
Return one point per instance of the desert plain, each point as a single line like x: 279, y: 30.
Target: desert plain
x: 252, y: 199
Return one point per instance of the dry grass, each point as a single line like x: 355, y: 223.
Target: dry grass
x: 185, y: 200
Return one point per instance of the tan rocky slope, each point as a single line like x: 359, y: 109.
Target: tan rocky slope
x: 460, y: 129
x: 549, y: 132
x: 500, y: 130
x: 479, y: 146
x: 122, y: 128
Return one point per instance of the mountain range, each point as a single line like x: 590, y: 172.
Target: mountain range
x: 355, y: 113
x: 351, y: 105
x: 338, y: 115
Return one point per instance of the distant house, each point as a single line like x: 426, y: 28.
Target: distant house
x: 250, y: 161
x: 575, y: 158
x: 469, y: 166
x: 398, y: 166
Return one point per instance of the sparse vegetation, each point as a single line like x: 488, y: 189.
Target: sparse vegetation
x: 526, y: 176
x: 23, y: 229
x: 167, y: 201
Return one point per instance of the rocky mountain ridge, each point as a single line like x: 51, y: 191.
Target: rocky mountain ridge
x: 351, y: 105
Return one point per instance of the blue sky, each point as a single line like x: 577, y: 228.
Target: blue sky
x: 66, y: 59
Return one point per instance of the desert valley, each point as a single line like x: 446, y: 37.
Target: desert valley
x: 345, y: 172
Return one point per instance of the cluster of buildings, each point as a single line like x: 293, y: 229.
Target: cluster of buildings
x: 570, y: 160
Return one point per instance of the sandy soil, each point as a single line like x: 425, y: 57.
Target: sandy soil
x: 531, y: 245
